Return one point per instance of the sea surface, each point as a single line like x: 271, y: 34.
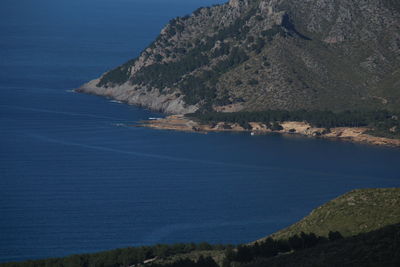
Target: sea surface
x: 75, y: 177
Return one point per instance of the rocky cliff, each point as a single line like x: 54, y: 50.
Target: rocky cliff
x: 267, y: 54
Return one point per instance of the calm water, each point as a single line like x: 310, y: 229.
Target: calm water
x: 73, y: 180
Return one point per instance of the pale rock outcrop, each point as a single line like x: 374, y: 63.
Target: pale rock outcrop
x: 153, y: 99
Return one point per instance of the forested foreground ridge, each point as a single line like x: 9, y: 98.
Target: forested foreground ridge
x: 253, y: 55
x: 360, y: 228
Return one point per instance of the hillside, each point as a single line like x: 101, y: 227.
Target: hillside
x: 377, y: 248
x: 267, y: 54
x: 358, y: 211
x: 368, y: 219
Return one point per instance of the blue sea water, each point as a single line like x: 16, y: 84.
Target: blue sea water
x: 75, y: 178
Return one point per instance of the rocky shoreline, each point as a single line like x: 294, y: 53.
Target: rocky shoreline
x: 151, y: 99
x: 353, y: 134
x: 172, y: 104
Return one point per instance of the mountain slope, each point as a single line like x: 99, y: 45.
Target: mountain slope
x: 267, y: 54
x: 358, y: 211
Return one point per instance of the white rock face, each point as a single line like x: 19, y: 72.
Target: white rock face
x: 166, y: 103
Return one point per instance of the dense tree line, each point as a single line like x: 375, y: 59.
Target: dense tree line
x: 120, y: 257
x: 161, y: 75
x: 383, y: 122
x: 201, y: 262
x: 377, y: 248
x: 202, y: 87
x: 271, y: 248
x: 137, y: 255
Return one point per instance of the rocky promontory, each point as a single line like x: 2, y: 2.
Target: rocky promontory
x: 267, y: 54
x: 152, y: 99
x: 272, y: 55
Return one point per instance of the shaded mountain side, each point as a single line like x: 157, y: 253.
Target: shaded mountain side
x: 267, y: 54
x: 358, y: 211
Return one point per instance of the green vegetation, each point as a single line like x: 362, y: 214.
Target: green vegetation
x: 382, y: 123
x: 360, y: 228
x: 121, y: 257
x: 163, y: 75
x: 199, y: 87
x: 116, y: 76
x: 392, y: 4
x: 290, y: 59
x: 186, y: 74
x: 195, y: 87
x: 377, y: 248
x: 252, y: 82
x: 202, y: 87
x: 201, y: 262
x: 271, y: 33
x: 355, y: 212
x: 271, y: 248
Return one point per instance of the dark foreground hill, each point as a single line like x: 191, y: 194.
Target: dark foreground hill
x: 360, y: 228
x: 377, y: 248
x: 267, y: 54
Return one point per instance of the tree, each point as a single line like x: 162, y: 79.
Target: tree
x: 244, y: 254
x: 334, y: 236
x: 276, y: 126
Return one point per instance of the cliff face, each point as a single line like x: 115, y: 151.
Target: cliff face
x: 148, y: 98
x: 267, y: 54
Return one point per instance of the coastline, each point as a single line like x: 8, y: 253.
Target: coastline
x: 169, y: 104
x: 352, y: 134
x: 142, y: 97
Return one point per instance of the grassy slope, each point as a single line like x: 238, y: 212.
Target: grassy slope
x: 358, y: 211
